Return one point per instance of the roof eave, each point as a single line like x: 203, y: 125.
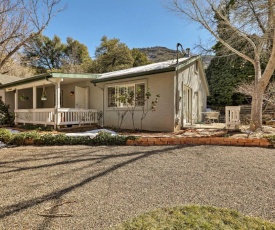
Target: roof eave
x: 119, y: 77
x: 26, y: 80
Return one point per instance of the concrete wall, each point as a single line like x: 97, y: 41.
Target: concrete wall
x: 160, y: 120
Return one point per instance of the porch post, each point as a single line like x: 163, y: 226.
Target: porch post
x: 34, y: 101
x: 15, y: 105
x: 57, y: 105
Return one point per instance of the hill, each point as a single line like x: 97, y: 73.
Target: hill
x: 159, y: 54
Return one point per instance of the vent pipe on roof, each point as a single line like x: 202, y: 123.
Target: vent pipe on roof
x: 185, y: 53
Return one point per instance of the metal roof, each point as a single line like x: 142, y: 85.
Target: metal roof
x: 5, y: 79
x: 160, y: 67
x: 46, y: 76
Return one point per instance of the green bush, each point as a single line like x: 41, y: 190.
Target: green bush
x: 20, y: 138
x: 5, y: 135
x: 106, y: 138
x: 103, y: 138
x: 6, y: 117
x: 271, y: 139
x: 61, y: 139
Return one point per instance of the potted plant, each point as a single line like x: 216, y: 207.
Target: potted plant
x: 24, y: 98
x: 44, y: 95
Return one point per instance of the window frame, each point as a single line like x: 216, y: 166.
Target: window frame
x: 119, y: 85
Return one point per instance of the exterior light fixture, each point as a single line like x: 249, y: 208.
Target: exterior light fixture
x: 72, y: 93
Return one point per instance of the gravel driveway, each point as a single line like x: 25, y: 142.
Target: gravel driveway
x: 82, y: 187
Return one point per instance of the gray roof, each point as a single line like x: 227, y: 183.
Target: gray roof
x: 154, y: 68
x: 5, y: 79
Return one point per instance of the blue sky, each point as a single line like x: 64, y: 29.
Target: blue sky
x: 138, y: 23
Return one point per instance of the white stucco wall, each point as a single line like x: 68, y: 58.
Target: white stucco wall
x: 192, y: 78
x: 160, y: 120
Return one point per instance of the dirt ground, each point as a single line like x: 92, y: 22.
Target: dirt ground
x: 83, y: 187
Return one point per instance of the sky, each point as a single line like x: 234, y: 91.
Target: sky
x: 137, y: 23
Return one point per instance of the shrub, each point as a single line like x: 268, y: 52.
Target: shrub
x: 106, y: 138
x: 271, y: 139
x: 6, y: 117
x: 20, y: 138
x: 103, y: 138
x: 5, y: 135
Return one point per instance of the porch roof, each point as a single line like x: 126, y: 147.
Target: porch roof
x: 160, y: 67
x: 45, y: 77
x: 4, y: 79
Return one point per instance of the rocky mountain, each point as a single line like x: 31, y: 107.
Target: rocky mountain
x: 159, y: 54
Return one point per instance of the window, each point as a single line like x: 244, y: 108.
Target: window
x: 122, y: 95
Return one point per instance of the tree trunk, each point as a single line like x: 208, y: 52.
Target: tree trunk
x: 256, y: 107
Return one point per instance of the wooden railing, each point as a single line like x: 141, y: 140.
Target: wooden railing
x: 35, y: 116
x: 69, y: 116
x: 63, y: 116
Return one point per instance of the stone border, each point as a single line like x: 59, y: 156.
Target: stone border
x: 149, y: 141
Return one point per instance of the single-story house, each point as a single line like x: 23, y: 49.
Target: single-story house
x: 67, y: 99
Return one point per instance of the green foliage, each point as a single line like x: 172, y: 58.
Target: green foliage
x: 140, y: 58
x: 111, y: 55
x: 44, y: 54
x: 195, y: 217
x: 5, y: 135
x: 106, y: 138
x: 6, y: 117
x: 271, y: 139
x: 103, y: 138
x: 20, y: 138
x: 223, y: 76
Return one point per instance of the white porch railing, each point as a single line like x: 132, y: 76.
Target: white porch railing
x: 35, y: 116
x: 232, y: 117
x: 63, y: 116
x: 69, y: 116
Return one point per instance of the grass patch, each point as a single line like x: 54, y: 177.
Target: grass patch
x: 195, y: 217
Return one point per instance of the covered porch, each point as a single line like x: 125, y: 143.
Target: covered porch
x: 52, y: 99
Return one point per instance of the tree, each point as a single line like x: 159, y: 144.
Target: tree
x: 248, y: 22
x: 76, y: 58
x: 21, y: 21
x: 111, y: 55
x: 223, y: 76
x: 247, y: 88
x: 44, y: 53
x: 140, y: 58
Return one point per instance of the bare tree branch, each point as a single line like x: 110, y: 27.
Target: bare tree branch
x: 21, y: 21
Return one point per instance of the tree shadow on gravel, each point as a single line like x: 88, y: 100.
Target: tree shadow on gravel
x: 57, y: 195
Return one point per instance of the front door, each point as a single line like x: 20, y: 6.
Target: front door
x: 81, y: 97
